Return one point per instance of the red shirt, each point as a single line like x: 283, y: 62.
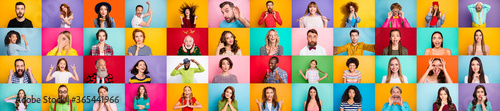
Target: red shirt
x: 193, y: 100
x: 270, y: 20
x: 187, y: 23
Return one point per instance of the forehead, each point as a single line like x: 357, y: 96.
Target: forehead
x: 311, y: 34
x: 138, y: 34
x: 19, y: 62
x: 436, y: 35
x: 225, y: 7
x: 63, y: 89
x: 19, y: 6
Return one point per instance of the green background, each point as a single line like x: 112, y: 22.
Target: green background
x: 325, y: 64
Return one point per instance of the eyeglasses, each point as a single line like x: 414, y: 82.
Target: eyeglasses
x: 63, y: 92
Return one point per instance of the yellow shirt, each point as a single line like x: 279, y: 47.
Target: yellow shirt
x: 356, y: 50
x: 54, y: 52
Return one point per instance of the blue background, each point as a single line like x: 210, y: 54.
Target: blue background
x: 116, y: 39
x: 258, y: 39
x: 341, y: 36
x: 241, y: 95
x: 428, y: 93
x: 490, y: 67
x: 159, y: 12
x: 424, y: 40
x: 383, y: 7
x: 367, y: 93
x: 113, y: 90
x: 8, y: 90
x: 301, y: 90
x: 407, y: 64
x: 33, y: 36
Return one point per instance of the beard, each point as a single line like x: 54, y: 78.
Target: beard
x: 62, y: 99
x: 102, y: 73
x: 270, y: 10
x: 229, y: 20
x: 19, y: 73
x: 479, y: 9
x: 311, y: 44
x: 186, y: 67
x: 20, y: 15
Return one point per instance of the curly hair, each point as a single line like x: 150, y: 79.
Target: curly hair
x: 352, y: 60
x: 135, y: 71
x: 353, y: 4
x: 9, y: 34
x: 357, y: 96
x: 234, y: 47
x: 224, y: 94
x: 441, y: 78
x: 396, y: 5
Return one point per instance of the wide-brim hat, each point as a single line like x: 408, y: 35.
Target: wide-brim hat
x: 98, y: 6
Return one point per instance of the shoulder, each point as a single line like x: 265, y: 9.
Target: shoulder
x: 279, y: 46
x: 147, y: 47
x: 111, y: 18
x: 27, y: 20
x: 403, y: 48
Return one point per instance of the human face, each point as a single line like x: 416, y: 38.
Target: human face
x: 351, y: 93
x: 480, y: 93
x: 103, y: 92
x: 187, y: 92
x: 62, y: 40
x: 312, y: 39
x: 273, y: 64
x: 394, y: 66
x: 313, y: 9
x: 103, y: 10
x: 479, y: 7
x: 225, y: 66
x: 188, y: 42
x: 187, y: 12
x: 443, y: 95
x: 13, y: 38
x: 395, y: 12
x: 139, y: 38
x: 186, y: 65
x: 475, y: 66
x: 102, y: 37
x: 229, y: 39
x: 354, y: 37
x: 62, y: 65
x: 228, y: 13
x: 395, y: 37
x: 273, y: 37
x: 437, y: 66
x: 478, y: 36
x: 20, y: 11
x: 437, y: 40
x: 142, y: 90
x: 313, y: 64
x: 141, y: 66
x: 63, y: 93
x: 269, y: 94
x: 312, y: 93
x: 352, y: 67
x: 138, y: 11
x: 228, y: 93
x: 64, y: 9
x: 269, y: 7
x: 101, y: 65
x: 20, y: 68
x: 396, y: 94
x: 351, y: 9
x: 21, y: 94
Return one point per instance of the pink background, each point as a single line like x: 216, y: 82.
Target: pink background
x: 156, y: 94
x: 50, y: 35
x: 215, y: 14
x: 299, y: 39
x: 241, y: 67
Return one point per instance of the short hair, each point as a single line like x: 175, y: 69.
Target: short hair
x: 18, y: 60
x: 352, y: 60
x: 269, y: 2
x: 138, y: 7
x: 20, y: 3
x: 226, y: 3
x: 400, y: 91
x: 99, y: 31
x: 98, y: 61
x: 228, y: 60
x: 9, y: 34
x: 353, y: 31
x: 62, y: 85
x: 312, y: 31
x: 102, y: 87
x: 396, y: 5
x: 274, y: 57
x: 143, y: 35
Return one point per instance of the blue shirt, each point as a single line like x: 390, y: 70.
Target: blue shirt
x: 235, y: 24
x: 97, y: 22
x: 405, y: 107
x: 13, y: 49
x: 282, y: 73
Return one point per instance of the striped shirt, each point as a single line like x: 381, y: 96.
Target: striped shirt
x: 347, y: 107
x: 351, y: 78
x: 134, y: 79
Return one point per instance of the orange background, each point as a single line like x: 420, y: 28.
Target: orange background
x: 466, y: 38
x: 382, y: 92
x: 450, y: 7
x: 74, y: 90
x: 366, y: 67
x: 199, y: 91
x: 156, y: 39
x: 282, y: 91
x: 283, y: 7
x: 451, y: 66
x: 241, y: 34
x: 117, y: 12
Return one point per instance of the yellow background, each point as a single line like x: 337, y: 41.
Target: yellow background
x: 241, y: 34
x: 33, y: 62
x: 199, y: 91
x: 283, y: 7
x: 366, y: 67
x: 490, y: 36
x: 282, y: 91
x: 33, y: 12
x: 173, y: 19
x: 51, y: 90
x: 366, y: 13
x: 156, y: 39
x: 383, y: 92
x: 450, y: 7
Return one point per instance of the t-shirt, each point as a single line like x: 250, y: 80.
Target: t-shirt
x: 312, y: 76
x: 21, y: 106
x: 350, y: 107
x: 351, y: 78
x: 62, y: 77
x: 394, y: 80
x: 313, y: 22
x: 136, y: 21
x: 144, y: 51
x: 235, y: 24
x: 16, y: 24
x: 219, y: 78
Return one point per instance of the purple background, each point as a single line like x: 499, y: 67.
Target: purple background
x: 492, y: 19
x: 300, y: 6
x: 50, y: 13
x: 77, y: 60
x: 466, y: 90
x: 156, y: 67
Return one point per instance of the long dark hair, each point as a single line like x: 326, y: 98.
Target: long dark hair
x: 145, y: 95
x: 234, y: 47
x: 437, y: 14
x: 482, y: 43
x: 389, y: 52
x: 192, y: 8
x: 475, y: 100
x: 441, y: 78
x: 451, y: 106
x: 108, y: 21
x: 309, y: 98
x: 317, y: 65
x: 9, y: 34
x: 437, y: 32
x: 481, y: 72
x: 21, y: 100
x: 357, y: 97
x: 135, y: 71
x: 264, y: 98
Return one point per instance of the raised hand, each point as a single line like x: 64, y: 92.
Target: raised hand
x: 184, y: 48
x: 51, y: 67
x: 73, y: 67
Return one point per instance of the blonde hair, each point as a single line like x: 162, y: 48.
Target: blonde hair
x: 67, y: 34
x: 269, y: 34
x: 389, y: 72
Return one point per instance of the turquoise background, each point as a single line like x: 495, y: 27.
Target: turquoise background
x: 408, y: 66
x: 301, y: 90
x: 113, y: 90
x: 159, y: 8
x: 367, y: 93
x: 341, y: 36
x: 490, y: 67
x: 34, y: 90
x: 450, y: 39
x: 33, y: 36
x: 241, y: 94
x: 428, y: 93
x: 258, y: 36
x: 325, y: 64
x: 383, y: 7
x: 116, y: 38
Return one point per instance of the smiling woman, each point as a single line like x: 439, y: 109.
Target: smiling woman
x: 139, y: 71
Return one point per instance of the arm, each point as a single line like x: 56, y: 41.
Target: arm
x: 326, y: 75
x: 149, y: 8
x: 422, y: 79
x: 302, y: 74
x: 405, y: 23
x: 54, y: 52
x: 32, y: 78
x: 278, y: 18
x: 427, y: 51
x: 65, y: 20
x: 197, y: 105
x: 49, y: 76
x: 428, y: 17
x: 369, y: 47
x: 240, y: 17
x: 11, y: 73
x: 147, y: 104
x: 200, y: 68
x: 386, y: 23
x: 178, y: 106
x: 136, y: 105
x: 75, y: 77
x: 469, y: 50
x: 486, y: 7
x: 262, y: 18
x: 472, y: 8
x: 338, y: 50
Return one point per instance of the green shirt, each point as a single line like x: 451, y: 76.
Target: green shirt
x: 64, y: 106
x: 195, y: 52
x: 187, y: 75
x: 222, y: 103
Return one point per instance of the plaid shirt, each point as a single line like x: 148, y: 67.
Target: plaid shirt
x: 108, y: 50
x: 26, y: 78
x: 92, y: 78
x: 282, y: 73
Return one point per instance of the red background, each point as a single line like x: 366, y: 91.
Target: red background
x: 408, y: 39
x: 175, y: 38
x: 114, y: 64
x: 260, y: 64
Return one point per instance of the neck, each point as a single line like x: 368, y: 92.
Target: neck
x: 225, y: 73
x: 272, y: 44
x: 20, y: 19
x: 437, y: 47
x: 395, y: 75
x: 140, y: 74
x: 395, y: 46
x: 312, y: 14
x: 354, y: 43
x: 478, y: 43
x: 350, y: 100
x: 269, y: 101
x: 140, y: 44
x: 311, y: 68
x: 101, y: 43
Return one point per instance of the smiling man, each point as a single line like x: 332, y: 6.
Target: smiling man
x: 21, y: 75
x: 355, y: 47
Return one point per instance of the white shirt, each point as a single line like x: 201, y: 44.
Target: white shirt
x: 485, y: 79
x: 318, y: 51
x: 136, y: 21
x: 394, y: 80
x: 62, y: 77
x: 312, y: 22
